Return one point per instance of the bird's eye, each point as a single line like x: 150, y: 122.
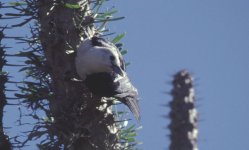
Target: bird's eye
x: 112, y: 57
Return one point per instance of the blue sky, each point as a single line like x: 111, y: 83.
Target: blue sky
x: 210, y: 38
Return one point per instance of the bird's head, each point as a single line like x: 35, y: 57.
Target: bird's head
x: 108, y: 58
x: 98, y: 55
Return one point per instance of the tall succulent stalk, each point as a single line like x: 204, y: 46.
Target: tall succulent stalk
x: 78, y: 122
x: 183, y: 113
x: 75, y: 119
x: 4, y: 141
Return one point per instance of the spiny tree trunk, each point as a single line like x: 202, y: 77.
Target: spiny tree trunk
x: 183, y: 114
x: 74, y: 118
x: 4, y: 141
x: 77, y: 122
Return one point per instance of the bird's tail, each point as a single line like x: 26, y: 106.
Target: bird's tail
x: 133, y: 106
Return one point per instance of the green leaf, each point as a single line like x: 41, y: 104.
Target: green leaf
x: 24, y: 54
x: 118, y: 38
x: 72, y: 6
x: 123, y: 52
x: 3, y: 73
x: 120, y: 112
x: 13, y: 15
x: 126, y: 131
x: 131, y: 127
x: 14, y: 65
x: 127, y: 64
x: 17, y: 3
x: 20, y: 95
x: 107, y: 14
x: 132, y: 134
x: 111, y: 19
x: 131, y: 140
x: 24, y: 68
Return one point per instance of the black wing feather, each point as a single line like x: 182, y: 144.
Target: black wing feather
x: 102, y: 84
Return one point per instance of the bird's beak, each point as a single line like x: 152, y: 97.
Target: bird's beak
x: 117, y: 70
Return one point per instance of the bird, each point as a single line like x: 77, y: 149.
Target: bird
x: 101, y: 66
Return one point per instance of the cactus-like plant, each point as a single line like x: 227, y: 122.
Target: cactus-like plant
x: 183, y: 113
x: 4, y: 139
x: 74, y: 117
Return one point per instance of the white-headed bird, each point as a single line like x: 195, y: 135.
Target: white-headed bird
x: 100, y: 65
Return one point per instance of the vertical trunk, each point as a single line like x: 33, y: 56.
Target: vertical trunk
x: 4, y: 142
x: 78, y: 123
x: 183, y: 114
